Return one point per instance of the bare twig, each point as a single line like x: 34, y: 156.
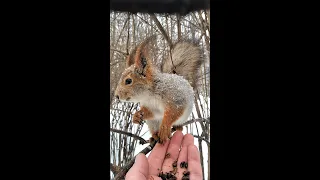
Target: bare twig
x: 128, y: 37
x: 201, y: 138
x: 125, y: 23
x: 197, y: 120
x: 117, y: 63
x: 133, y: 30
x: 155, y: 19
x: 209, y: 162
x: 146, y: 22
x: 197, y: 106
x: 201, y: 154
x: 121, y: 52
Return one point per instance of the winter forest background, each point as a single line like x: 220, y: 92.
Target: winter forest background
x: 126, y: 31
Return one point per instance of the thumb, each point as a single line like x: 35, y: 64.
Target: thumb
x: 140, y: 169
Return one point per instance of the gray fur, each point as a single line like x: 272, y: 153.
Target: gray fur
x: 171, y: 89
x: 187, y: 59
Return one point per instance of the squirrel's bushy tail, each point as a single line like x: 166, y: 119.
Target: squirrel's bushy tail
x: 185, y: 60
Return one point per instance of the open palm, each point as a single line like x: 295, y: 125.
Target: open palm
x: 162, y: 160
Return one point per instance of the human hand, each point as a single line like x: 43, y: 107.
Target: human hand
x: 148, y: 168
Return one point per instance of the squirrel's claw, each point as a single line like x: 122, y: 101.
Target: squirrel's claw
x: 154, y: 137
x: 138, y: 118
x: 164, y: 134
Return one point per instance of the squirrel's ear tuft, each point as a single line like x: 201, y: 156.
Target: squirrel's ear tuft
x: 142, y: 59
x: 130, y: 57
x: 142, y: 62
x: 143, y: 47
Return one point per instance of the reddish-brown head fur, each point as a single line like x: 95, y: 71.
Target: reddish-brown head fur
x: 138, y: 76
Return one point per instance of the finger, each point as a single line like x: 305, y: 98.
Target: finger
x: 194, y: 165
x: 140, y: 168
x: 188, y: 139
x: 156, y: 158
x: 172, y: 151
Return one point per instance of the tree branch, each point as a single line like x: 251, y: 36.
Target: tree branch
x: 126, y: 168
x: 115, y: 169
x: 142, y: 141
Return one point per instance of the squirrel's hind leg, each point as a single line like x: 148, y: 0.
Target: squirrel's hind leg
x: 171, y: 115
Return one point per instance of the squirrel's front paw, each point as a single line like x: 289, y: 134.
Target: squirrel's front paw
x: 164, y: 134
x: 138, y: 117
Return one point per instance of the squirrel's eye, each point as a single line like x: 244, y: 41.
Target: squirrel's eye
x: 128, y: 81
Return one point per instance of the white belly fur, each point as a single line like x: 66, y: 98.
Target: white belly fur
x: 157, y: 107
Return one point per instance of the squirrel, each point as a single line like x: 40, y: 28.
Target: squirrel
x: 165, y: 94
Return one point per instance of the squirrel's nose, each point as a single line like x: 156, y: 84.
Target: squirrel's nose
x: 117, y: 97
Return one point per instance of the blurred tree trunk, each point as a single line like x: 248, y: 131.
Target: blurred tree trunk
x: 179, y: 27
x: 133, y: 31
